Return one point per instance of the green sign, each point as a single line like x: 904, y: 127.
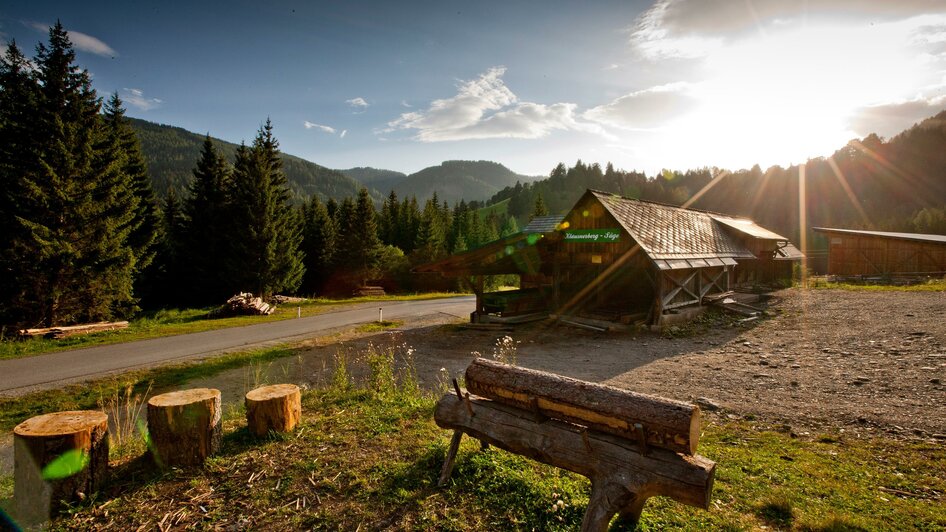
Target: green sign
x: 593, y: 235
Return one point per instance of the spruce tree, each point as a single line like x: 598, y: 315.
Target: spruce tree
x: 18, y: 94
x: 361, y: 241
x: 267, y: 231
x: 539, y: 209
x: 143, y: 238
x: 318, y: 243
x: 206, y: 236
x: 69, y: 249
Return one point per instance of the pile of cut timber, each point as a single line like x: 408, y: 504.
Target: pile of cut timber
x: 74, y: 330
x: 280, y: 300
x: 244, y: 304
x: 368, y: 291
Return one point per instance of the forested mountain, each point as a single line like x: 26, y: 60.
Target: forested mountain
x: 895, y: 185
x: 172, y: 152
x: 458, y: 180
x: 376, y: 178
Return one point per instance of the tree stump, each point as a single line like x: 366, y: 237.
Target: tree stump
x: 59, y: 458
x: 277, y: 407
x: 184, y: 427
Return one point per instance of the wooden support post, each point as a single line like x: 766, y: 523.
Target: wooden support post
x: 59, y: 458
x: 275, y: 408
x: 184, y: 427
x: 450, y: 459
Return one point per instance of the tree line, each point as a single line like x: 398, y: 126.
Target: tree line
x: 84, y: 238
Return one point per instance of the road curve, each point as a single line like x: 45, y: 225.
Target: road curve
x: 44, y: 372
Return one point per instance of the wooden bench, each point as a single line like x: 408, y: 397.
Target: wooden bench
x: 631, y: 446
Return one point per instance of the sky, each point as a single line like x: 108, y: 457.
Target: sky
x: 644, y: 85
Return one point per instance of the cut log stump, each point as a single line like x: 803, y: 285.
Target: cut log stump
x: 59, y: 458
x: 184, y: 427
x: 277, y: 408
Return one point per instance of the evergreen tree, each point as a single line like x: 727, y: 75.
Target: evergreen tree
x: 361, y: 239
x: 144, y: 227
x: 408, y: 225
x: 18, y: 94
x: 267, y: 232
x: 539, y: 209
x: 318, y: 243
x: 69, y: 246
x: 206, y: 235
x: 388, y: 222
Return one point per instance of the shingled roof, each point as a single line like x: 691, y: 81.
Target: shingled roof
x: 667, y: 233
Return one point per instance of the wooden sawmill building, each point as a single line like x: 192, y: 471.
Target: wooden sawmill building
x: 877, y: 254
x: 622, y: 260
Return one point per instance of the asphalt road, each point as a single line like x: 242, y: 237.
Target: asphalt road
x: 44, y: 372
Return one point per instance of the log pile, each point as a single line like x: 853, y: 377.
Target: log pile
x: 368, y: 291
x: 244, y: 304
x: 73, y: 330
x: 59, y: 459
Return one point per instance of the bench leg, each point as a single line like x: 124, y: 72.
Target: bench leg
x: 610, y: 498
x: 451, y: 458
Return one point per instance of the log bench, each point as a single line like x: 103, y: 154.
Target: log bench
x: 59, y: 459
x: 184, y: 427
x: 631, y: 446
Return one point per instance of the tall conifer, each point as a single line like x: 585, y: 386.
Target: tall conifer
x: 206, y: 235
x: 267, y: 231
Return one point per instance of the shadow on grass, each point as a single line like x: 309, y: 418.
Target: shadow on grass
x: 504, y: 485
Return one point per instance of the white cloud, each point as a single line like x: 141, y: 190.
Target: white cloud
x: 485, y: 108
x: 646, y: 109
x: 136, y: 98
x: 343, y: 133
x: 320, y: 127
x: 83, y: 41
x: 695, y: 28
x: 405, y: 104
x: 359, y: 104
x: 889, y: 119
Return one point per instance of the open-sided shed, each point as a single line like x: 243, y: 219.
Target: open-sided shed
x: 883, y: 254
x: 621, y: 259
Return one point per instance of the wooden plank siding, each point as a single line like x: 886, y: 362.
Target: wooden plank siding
x: 869, y: 255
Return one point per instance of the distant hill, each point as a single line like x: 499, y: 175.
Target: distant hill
x: 377, y: 178
x: 172, y: 153
x: 458, y: 180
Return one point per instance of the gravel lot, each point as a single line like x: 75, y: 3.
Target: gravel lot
x: 866, y: 363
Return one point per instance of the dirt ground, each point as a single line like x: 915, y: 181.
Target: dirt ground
x: 862, y: 363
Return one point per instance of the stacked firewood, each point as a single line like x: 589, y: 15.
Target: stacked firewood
x: 244, y: 304
x: 368, y: 291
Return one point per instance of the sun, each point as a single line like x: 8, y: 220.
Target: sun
x: 783, y: 96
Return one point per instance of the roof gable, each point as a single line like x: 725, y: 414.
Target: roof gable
x: 666, y: 232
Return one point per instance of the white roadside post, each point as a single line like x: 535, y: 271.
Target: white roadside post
x: 380, y: 315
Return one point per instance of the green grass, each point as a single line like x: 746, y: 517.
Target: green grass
x: 368, y: 456
x: 498, y: 209
x: 933, y: 285
x: 379, y: 326
x: 155, y: 324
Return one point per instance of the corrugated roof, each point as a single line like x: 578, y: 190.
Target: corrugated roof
x: 543, y: 224
x: 666, y: 232
x: 748, y: 227
x: 920, y: 237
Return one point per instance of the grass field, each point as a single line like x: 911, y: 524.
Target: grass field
x: 367, y: 456
x: 155, y: 324
x: 933, y: 285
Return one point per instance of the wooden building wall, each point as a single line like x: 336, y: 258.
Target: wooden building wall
x: 870, y: 255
